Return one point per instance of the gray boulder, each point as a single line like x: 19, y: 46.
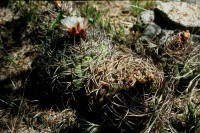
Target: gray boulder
x: 178, y: 15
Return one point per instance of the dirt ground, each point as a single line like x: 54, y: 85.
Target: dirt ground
x: 53, y: 80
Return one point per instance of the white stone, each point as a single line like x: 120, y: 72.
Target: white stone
x: 185, y: 14
x: 147, y: 16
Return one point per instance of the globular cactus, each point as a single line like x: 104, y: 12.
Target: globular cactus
x: 115, y: 80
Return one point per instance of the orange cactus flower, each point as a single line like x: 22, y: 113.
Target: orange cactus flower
x: 58, y: 3
x: 186, y: 35
x: 179, y: 40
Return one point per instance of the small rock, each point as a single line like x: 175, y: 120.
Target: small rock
x: 151, y: 31
x: 126, y: 9
x: 147, y: 16
x: 177, y: 15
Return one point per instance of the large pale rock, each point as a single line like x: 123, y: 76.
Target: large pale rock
x: 147, y: 16
x: 179, y: 15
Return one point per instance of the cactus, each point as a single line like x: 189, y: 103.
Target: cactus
x: 114, y: 80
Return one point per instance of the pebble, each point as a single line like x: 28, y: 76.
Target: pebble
x: 126, y: 9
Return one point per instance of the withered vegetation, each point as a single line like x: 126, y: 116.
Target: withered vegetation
x: 103, y: 80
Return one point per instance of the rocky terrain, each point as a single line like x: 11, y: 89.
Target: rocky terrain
x: 99, y: 66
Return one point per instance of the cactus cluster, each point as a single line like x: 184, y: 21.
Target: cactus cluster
x: 114, y: 79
